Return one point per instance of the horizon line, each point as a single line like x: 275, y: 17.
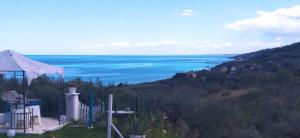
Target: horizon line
x: 127, y: 55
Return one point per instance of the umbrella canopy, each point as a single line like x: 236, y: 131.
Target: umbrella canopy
x: 11, y: 61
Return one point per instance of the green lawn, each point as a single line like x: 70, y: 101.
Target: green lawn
x: 69, y: 132
x: 72, y: 132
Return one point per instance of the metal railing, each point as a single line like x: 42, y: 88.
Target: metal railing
x: 17, y: 119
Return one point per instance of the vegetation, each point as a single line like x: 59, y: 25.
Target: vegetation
x: 254, y: 96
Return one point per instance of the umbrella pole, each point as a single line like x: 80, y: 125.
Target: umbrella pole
x: 60, y: 100
x: 63, y: 85
x: 23, y: 88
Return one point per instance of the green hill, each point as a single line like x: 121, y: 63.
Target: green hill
x: 256, y: 95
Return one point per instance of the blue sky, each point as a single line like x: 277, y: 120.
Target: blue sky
x: 147, y: 27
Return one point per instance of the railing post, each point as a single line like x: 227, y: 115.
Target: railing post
x: 31, y: 118
x: 109, y: 120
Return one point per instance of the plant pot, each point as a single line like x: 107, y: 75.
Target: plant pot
x: 72, y: 89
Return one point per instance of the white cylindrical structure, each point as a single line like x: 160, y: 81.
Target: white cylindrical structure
x: 72, y: 106
x: 109, y: 120
x: 72, y: 89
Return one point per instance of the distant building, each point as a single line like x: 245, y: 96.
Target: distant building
x: 233, y: 69
x: 223, y: 69
x: 192, y: 74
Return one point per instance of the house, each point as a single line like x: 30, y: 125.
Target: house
x: 191, y: 74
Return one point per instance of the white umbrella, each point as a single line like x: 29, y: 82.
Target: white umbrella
x: 11, y: 61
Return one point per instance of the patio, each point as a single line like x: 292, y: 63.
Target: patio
x: 49, y: 124
x: 20, y: 112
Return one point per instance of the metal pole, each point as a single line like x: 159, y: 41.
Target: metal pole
x: 61, y: 111
x: 24, y: 95
x: 63, y: 85
x: 118, y: 132
x: 91, y: 106
x: 136, y: 106
x: 109, y: 120
x: 115, y: 107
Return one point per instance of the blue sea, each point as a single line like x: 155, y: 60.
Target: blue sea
x: 129, y: 69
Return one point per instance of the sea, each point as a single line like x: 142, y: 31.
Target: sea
x: 129, y: 69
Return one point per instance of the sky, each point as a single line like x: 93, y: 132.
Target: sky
x: 147, y: 27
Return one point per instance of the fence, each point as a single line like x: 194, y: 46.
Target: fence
x: 121, y: 106
x: 54, y: 108
x: 98, y: 112
x: 4, y: 106
x: 17, y: 119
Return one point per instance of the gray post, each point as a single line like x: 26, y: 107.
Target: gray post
x: 109, y: 120
x: 91, y: 107
x: 24, y: 104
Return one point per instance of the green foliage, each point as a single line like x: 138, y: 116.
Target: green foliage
x: 260, y: 99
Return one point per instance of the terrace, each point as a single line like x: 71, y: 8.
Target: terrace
x: 18, y: 111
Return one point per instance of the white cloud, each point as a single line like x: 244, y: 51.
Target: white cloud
x: 187, y: 12
x: 279, y: 22
x: 290, y: 12
x: 156, y: 48
x: 267, y: 44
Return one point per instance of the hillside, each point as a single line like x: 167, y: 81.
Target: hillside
x: 256, y: 95
x: 275, y: 53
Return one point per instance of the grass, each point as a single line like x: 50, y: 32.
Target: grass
x: 69, y: 132
x: 82, y: 132
x: 157, y: 133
